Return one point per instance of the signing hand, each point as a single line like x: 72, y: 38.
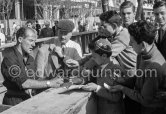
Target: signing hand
x: 90, y: 87
x: 55, y: 83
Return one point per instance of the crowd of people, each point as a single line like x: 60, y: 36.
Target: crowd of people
x: 125, y: 71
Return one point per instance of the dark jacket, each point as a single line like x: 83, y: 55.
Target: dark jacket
x: 149, y: 82
x: 161, y: 41
x: 16, y: 72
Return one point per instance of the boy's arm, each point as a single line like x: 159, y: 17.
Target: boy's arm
x: 113, y: 97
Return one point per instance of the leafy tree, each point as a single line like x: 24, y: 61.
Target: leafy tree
x: 6, y: 7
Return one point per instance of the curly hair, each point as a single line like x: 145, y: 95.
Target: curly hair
x: 143, y: 31
x: 111, y: 17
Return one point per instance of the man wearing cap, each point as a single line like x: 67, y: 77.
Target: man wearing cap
x: 107, y: 103
x: 53, y: 56
x: 47, y: 31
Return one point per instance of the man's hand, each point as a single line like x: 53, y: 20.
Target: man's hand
x: 90, y: 87
x: 72, y: 63
x: 52, y: 47
x: 115, y: 88
x: 57, y: 82
x: 58, y: 50
x: 76, y: 80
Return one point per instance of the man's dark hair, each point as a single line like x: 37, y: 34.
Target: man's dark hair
x: 127, y: 4
x: 159, y: 4
x: 143, y: 31
x: 29, y: 21
x: 105, y: 16
x: 21, y: 32
x: 111, y: 17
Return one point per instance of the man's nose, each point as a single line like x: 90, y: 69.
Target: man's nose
x: 126, y: 15
x: 33, y: 44
x: 159, y: 16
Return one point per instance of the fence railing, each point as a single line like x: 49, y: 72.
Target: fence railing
x: 81, y: 99
x: 83, y: 38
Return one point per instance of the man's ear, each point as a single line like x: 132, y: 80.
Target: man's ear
x: 20, y: 39
x: 144, y: 46
x: 114, y: 25
x: 104, y: 56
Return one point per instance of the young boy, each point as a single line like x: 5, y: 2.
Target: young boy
x: 107, y: 103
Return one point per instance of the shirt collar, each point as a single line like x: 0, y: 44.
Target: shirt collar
x: 150, y: 54
x: 68, y: 43
x: 104, y: 66
x: 19, y: 55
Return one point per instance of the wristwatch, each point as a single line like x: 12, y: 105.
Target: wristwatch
x: 48, y: 83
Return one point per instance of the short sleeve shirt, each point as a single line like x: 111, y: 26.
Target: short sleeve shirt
x: 15, y: 70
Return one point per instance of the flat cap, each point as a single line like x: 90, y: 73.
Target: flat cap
x: 66, y: 25
x: 104, y: 45
x: 101, y: 44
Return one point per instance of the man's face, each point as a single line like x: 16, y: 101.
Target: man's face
x: 64, y: 36
x: 109, y: 29
x: 102, y: 31
x: 97, y: 58
x: 127, y: 15
x: 28, y: 42
x: 29, y: 25
x: 160, y: 15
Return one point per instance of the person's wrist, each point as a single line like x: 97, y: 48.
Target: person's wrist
x: 97, y: 88
x: 122, y: 88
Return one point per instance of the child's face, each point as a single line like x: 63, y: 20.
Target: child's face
x: 97, y: 58
x: 109, y: 28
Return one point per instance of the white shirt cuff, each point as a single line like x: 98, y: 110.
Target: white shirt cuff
x: 98, y: 88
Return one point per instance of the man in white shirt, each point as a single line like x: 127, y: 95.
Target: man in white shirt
x: 53, y: 56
